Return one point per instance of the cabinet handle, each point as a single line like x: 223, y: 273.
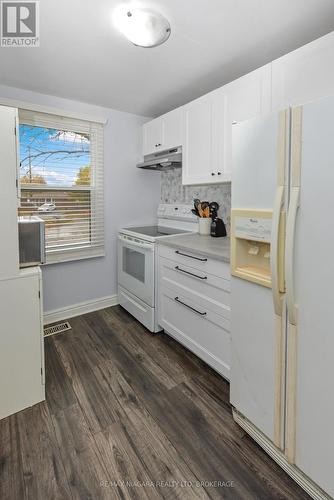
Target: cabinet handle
x: 190, y: 256
x: 189, y: 307
x: 157, y: 145
x: 212, y: 173
x: 177, y: 268
x: 219, y: 173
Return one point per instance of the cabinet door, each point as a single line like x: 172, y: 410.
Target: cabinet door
x: 190, y: 322
x: 152, y: 136
x: 203, y: 142
x: 21, y: 343
x: 304, y: 75
x: 197, y: 153
x: 203, y: 128
x: 246, y: 98
x: 218, y: 109
x: 172, y: 129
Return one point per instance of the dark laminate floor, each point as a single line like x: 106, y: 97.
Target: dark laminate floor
x: 131, y: 415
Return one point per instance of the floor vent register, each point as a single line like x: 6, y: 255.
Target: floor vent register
x: 58, y: 328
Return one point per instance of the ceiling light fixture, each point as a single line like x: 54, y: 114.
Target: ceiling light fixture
x: 143, y: 27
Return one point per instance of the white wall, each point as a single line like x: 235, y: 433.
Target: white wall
x: 131, y: 197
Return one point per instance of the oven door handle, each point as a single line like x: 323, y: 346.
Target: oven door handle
x: 144, y: 246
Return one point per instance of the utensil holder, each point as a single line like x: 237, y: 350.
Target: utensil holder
x: 204, y: 225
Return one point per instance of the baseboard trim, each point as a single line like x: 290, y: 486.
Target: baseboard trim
x: 297, y: 475
x: 80, y: 308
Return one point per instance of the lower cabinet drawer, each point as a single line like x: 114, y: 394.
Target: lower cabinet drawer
x: 202, y: 331
x: 200, y: 262
x: 213, y: 291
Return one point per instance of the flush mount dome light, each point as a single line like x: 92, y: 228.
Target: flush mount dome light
x: 143, y: 27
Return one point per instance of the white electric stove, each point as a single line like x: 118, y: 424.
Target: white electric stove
x: 137, y: 260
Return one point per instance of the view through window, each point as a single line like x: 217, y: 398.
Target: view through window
x: 59, y: 184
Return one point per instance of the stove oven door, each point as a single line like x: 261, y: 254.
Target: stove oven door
x: 136, y: 267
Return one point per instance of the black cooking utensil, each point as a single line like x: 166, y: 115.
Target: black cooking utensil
x: 214, y: 206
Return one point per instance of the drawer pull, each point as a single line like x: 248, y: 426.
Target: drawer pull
x: 190, y: 256
x: 177, y: 268
x: 189, y: 307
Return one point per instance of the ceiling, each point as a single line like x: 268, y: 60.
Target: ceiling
x: 82, y: 56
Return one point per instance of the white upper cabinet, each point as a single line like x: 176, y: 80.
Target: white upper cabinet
x: 172, y: 129
x: 163, y: 133
x: 204, y: 127
x: 246, y: 97
x: 152, y: 136
x: 207, y: 144
x: 304, y: 75
x: 203, y: 140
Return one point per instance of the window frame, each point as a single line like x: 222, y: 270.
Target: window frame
x: 96, y: 248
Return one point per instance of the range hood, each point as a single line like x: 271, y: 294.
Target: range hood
x: 170, y: 158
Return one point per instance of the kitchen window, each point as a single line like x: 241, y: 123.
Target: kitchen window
x: 61, y: 181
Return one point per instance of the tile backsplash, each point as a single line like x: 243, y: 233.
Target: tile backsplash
x: 172, y: 191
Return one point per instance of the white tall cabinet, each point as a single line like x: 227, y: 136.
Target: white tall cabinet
x: 21, y: 330
x: 9, y: 261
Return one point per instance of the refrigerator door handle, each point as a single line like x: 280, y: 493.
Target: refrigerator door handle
x: 275, y: 250
x: 290, y: 250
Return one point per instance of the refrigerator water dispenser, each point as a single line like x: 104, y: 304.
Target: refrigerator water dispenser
x: 250, y: 245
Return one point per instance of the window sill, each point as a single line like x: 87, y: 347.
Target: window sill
x: 61, y: 257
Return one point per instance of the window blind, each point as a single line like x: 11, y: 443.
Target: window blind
x: 61, y: 181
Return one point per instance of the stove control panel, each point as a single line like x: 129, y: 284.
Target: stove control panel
x: 176, y: 212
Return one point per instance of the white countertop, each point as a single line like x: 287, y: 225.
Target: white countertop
x: 216, y: 248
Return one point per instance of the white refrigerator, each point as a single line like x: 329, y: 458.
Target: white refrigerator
x: 282, y: 263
